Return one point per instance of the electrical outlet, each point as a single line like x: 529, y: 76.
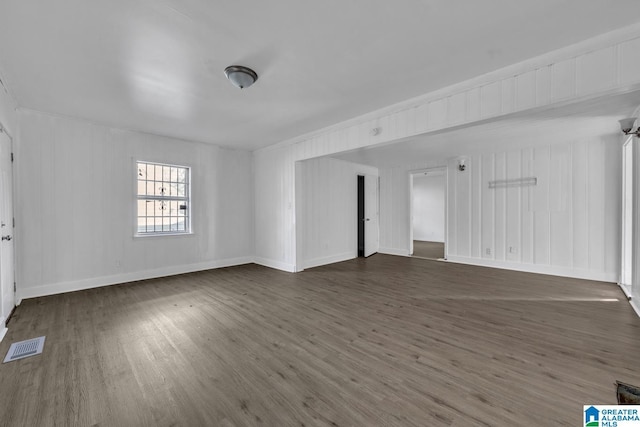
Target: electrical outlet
x: 513, y: 250
x: 487, y: 251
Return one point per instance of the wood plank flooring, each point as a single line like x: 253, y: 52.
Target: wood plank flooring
x: 429, y: 250
x: 383, y: 341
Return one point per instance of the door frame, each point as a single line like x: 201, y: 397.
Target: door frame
x: 362, y: 225
x: 360, y: 213
x: 445, y: 170
x: 16, y: 302
x: 627, y: 223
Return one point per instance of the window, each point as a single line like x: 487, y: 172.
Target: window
x: 163, y: 199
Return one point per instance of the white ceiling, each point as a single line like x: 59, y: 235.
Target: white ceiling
x: 157, y: 65
x: 586, y: 120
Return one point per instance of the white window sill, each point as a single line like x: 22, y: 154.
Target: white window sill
x: 143, y: 236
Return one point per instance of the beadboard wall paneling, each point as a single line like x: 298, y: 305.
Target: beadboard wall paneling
x: 587, y: 70
x: 328, y: 209
x: 75, y: 204
x: 274, y: 180
x: 567, y: 225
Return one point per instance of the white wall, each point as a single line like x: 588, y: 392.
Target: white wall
x: 428, y: 207
x: 588, y: 70
x: 274, y: 181
x: 75, y: 206
x: 328, y: 210
x: 8, y: 115
x: 567, y: 225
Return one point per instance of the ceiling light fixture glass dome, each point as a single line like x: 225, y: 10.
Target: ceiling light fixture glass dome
x: 240, y: 76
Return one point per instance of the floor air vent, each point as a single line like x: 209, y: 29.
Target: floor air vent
x: 22, y: 349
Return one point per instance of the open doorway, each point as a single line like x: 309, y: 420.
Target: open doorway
x: 368, y: 232
x: 428, y: 219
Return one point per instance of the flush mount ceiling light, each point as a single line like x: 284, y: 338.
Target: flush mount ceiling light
x: 240, y: 76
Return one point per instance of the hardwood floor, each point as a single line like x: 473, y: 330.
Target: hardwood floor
x: 429, y: 250
x: 383, y: 341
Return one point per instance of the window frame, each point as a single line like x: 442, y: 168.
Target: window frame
x: 186, y: 198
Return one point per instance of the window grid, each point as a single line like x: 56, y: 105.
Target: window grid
x: 162, y: 199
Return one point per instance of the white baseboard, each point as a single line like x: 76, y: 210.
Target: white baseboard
x: 635, y: 306
x: 632, y: 301
x: 317, y: 262
x: 3, y: 331
x: 601, y: 276
x: 394, y: 251
x: 625, y: 290
x: 96, y: 282
x: 272, y: 263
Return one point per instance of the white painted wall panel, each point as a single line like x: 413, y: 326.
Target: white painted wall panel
x: 513, y: 218
x: 541, y: 166
x: 508, y: 96
x: 476, y: 215
x: 421, y: 118
x: 580, y: 195
x: 437, y: 114
x: 563, y: 79
x: 560, y: 217
x: 457, y: 108
x: 595, y: 205
x: 491, y: 99
x: 473, y: 105
x: 463, y: 209
x: 75, y: 182
x: 386, y: 209
x: 613, y: 191
x: 488, y: 206
x: 541, y: 220
x: 547, y: 231
x: 526, y: 214
x: 328, y: 213
x: 500, y: 209
x: 401, y: 217
x: 543, y: 86
x: 452, y: 240
x: 597, y: 71
x: 526, y: 90
x: 559, y: 177
x: 274, y: 204
x: 629, y: 61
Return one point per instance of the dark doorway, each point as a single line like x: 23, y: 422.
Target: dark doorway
x: 360, y: 215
